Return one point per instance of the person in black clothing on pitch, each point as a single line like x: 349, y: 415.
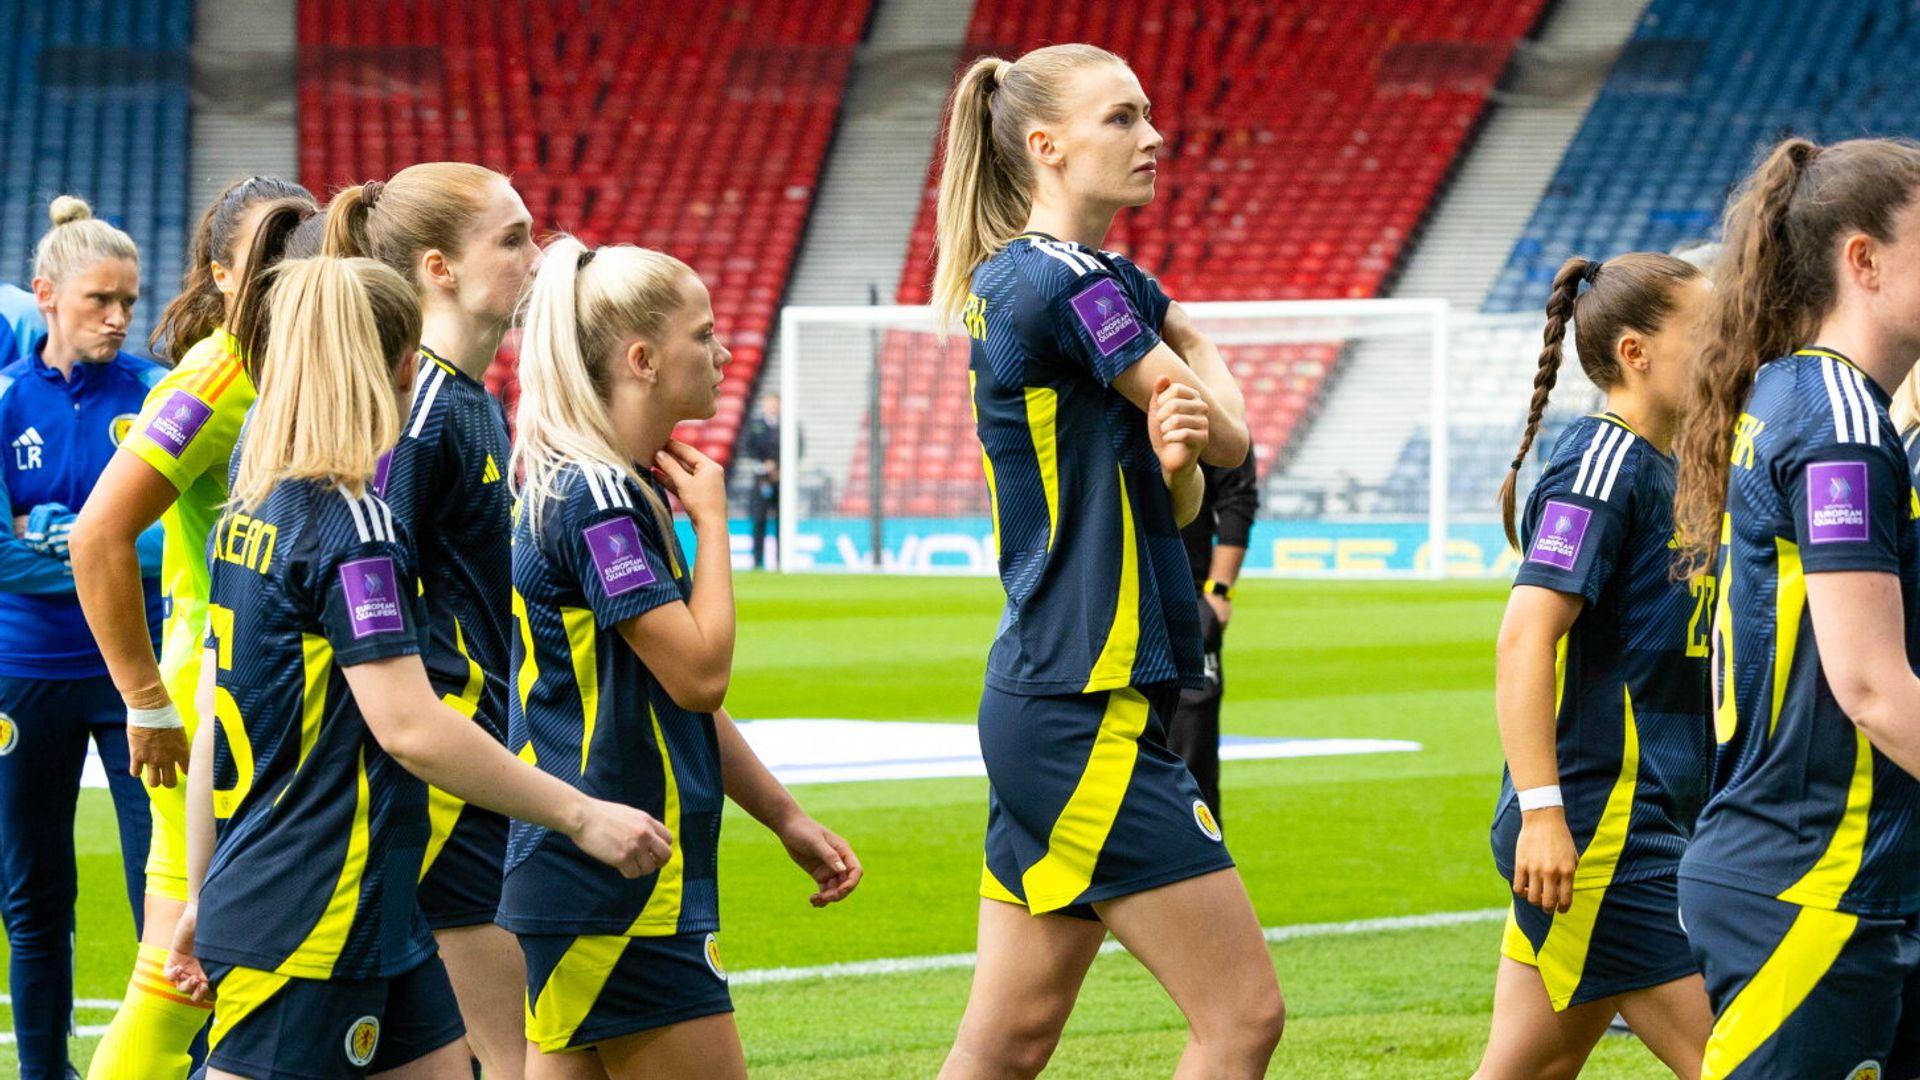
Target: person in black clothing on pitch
x: 1216, y: 546
x: 761, y: 444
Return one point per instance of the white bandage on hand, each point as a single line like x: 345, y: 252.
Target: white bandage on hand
x: 1540, y: 798
x: 163, y: 718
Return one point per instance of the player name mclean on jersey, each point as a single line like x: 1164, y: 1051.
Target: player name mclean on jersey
x: 1803, y: 807
x: 1098, y: 590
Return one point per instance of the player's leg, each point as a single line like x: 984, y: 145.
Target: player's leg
x: 704, y: 1049
x: 1673, y: 1020
x: 578, y: 1065
x: 489, y: 979
x: 1529, y: 1040
x: 154, y: 1034
x: 1201, y: 939
x: 1025, y: 978
x: 43, y: 743
x: 107, y: 718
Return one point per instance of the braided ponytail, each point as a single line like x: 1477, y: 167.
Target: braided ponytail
x: 1560, y: 304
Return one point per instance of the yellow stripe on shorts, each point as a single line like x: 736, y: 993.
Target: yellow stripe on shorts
x: 571, y: 990
x: 241, y: 993
x: 1081, y: 831
x: 1797, y: 965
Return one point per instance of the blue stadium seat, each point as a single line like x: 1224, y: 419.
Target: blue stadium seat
x: 94, y: 102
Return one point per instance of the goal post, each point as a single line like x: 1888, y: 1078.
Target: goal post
x: 1375, y: 422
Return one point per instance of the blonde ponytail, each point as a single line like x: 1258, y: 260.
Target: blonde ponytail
x: 986, y: 178
x: 583, y: 303
x: 78, y: 240
x: 339, y: 330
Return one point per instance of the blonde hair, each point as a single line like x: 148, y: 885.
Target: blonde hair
x: 340, y: 330
x: 424, y: 207
x: 582, y: 304
x: 986, y: 178
x: 78, y: 240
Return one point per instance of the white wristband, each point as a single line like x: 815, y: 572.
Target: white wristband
x: 1540, y: 798
x: 164, y: 718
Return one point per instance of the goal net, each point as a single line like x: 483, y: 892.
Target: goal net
x: 1382, y: 430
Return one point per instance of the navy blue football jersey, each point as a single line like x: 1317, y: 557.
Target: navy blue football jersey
x: 320, y: 831
x: 1098, y: 593
x: 587, y: 710
x: 1633, y: 722
x: 446, y: 484
x: 1803, y: 807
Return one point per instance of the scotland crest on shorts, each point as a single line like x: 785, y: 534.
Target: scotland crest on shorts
x: 363, y: 1038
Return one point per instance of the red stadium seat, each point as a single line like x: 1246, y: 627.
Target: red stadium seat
x: 610, y: 129
x: 1304, y: 142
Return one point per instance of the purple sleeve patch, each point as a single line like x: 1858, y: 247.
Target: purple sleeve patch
x: 1106, y: 315
x: 1836, y: 502
x: 1562, y: 528
x: 616, y: 554
x: 178, y: 421
x: 373, y: 596
x: 380, y: 471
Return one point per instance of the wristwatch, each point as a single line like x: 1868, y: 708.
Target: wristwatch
x: 1219, y: 589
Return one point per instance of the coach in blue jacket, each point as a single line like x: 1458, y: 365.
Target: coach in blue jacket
x: 63, y: 408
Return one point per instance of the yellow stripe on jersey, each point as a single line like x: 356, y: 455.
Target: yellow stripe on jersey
x: 1114, y: 668
x: 1065, y: 871
x: 571, y: 990
x: 1833, y: 874
x: 316, y: 657
x: 1789, y: 600
x: 242, y: 992
x: 1563, y: 955
x: 467, y: 701
x: 1559, y: 673
x: 986, y: 462
x: 443, y: 813
x: 581, y: 642
x: 315, y: 957
x: 529, y: 667
x: 1797, y: 965
x: 1726, y: 709
x: 662, y: 913
x: 1043, y: 406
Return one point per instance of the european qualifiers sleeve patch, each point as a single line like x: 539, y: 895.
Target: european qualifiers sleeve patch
x: 1105, y: 314
x: 1562, y: 527
x: 380, y: 473
x: 615, y: 545
x: 373, y: 596
x: 1837, y: 502
x: 178, y: 422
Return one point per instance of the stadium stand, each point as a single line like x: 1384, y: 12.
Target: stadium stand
x: 1701, y: 87
x: 1237, y: 216
x: 94, y: 102
x: 706, y: 146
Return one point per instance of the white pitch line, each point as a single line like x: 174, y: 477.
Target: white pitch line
x: 904, y: 965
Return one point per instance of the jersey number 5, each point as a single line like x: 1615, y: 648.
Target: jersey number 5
x: 226, y: 712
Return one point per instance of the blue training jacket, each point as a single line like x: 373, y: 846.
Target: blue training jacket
x: 57, y: 435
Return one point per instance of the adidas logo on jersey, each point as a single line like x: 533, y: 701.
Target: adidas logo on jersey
x: 28, y: 450
x: 491, y: 474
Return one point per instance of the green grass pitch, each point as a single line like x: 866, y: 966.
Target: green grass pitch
x: 1319, y: 840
